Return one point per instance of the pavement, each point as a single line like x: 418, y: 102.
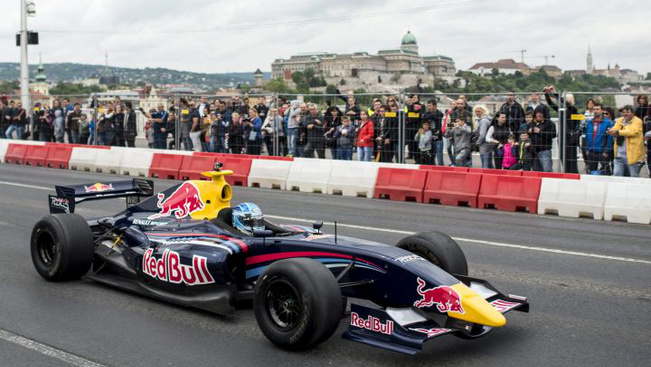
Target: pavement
x: 587, y: 282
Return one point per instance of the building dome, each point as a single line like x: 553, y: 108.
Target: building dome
x: 409, y: 39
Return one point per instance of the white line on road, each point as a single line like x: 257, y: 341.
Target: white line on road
x: 481, y: 242
x: 47, y: 350
x: 468, y: 240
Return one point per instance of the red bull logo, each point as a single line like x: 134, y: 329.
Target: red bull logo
x: 169, y: 268
x: 98, y: 187
x: 372, y: 323
x: 184, y: 201
x: 445, y: 298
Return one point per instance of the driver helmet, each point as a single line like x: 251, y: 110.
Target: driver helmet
x: 248, y: 217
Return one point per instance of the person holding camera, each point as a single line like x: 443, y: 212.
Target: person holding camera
x: 130, y: 128
x: 253, y: 130
x: 314, y: 126
x: 460, y: 133
x: 629, y: 143
x: 543, y: 132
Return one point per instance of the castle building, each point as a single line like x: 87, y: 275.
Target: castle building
x: 399, y: 66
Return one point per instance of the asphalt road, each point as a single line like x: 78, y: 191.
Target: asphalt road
x: 588, y: 283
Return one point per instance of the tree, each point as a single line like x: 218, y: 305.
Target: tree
x: 342, y: 82
x: 648, y: 76
x: 277, y: 85
x: 495, y: 73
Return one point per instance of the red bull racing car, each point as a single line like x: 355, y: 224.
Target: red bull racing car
x: 181, y: 246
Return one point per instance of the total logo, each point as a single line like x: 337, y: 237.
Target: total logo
x: 98, y: 187
x: 372, y: 323
x: 184, y: 201
x: 169, y: 268
x: 443, y: 297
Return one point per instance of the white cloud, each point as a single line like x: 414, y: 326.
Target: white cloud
x: 474, y: 32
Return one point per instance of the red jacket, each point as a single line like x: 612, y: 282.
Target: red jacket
x: 365, y: 134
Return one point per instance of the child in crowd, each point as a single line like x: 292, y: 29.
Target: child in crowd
x: 510, y: 153
x: 424, y: 137
x: 524, y: 151
x: 460, y: 135
x: 84, y: 129
x: 345, y: 137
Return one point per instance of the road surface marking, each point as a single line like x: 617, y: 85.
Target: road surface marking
x: 47, y: 350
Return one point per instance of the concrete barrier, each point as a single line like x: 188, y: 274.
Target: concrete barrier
x: 4, y: 145
x: 616, y: 179
x: 352, y: 178
x: 136, y: 162
x: 269, y: 174
x: 109, y: 160
x: 309, y: 175
x: 628, y: 201
x: 572, y: 198
x: 83, y: 159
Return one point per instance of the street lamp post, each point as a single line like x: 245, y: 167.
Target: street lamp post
x: 26, y: 8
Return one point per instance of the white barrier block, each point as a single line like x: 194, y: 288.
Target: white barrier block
x: 269, y: 174
x: 630, y: 202
x: 83, y: 159
x: 4, y: 145
x: 109, y: 160
x: 136, y: 162
x: 352, y: 178
x: 309, y: 175
x: 572, y: 198
x: 616, y: 179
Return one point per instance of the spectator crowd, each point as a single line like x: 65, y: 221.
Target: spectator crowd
x: 519, y: 136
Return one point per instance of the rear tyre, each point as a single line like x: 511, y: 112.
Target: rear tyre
x: 297, y: 303
x: 62, y: 247
x: 439, y: 249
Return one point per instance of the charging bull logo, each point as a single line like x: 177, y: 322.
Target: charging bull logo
x: 184, y: 201
x: 445, y: 298
x: 98, y: 187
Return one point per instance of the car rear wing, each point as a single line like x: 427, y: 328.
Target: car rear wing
x: 67, y: 197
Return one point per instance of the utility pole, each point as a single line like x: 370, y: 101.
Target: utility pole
x: 522, y: 55
x: 26, y: 8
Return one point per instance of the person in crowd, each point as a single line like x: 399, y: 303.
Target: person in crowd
x: 460, y: 135
x: 92, y: 129
x: 515, y: 114
x: 72, y: 123
x: 253, y: 127
x: 345, y: 136
x: 588, y: 115
x: 332, y: 118
x: 59, y: 120
x: 186, y: 122
x: 435, y: 118
x: 598, y: 142
x: 486, y: 148
x: 84, y: 129
x: 414, y: 111
x: 293, y: 127
x: 196, y: 122
x: 647, y: 137
x: 629, y: 143
x: 527, y: 125
x: 386, y: 127
x: 510, y: 158
x: 461, y: 112
x: 314, y: 125
x: 130, y: 128
x: 524, y: 152
x: 43, y: 122
x: 365, y: 139
x: 535, y: 105
x: 245, y: 108
x: 235, y: 135
x: 203, y: 104
x: 544, y: 131
x: 448, y: 144
x: 498, y: 134
x: 30, y: 122
x: 16, y: 117
x: 106, y: 126
x: 4, y: 123
x: 642, y: 109
x: 572, y: 127
x: 353, y: 110
x: 261, y: 108
x: 67, y: 109
x: 119, y: 140
x: 158, y: 121
x: 273, y: 131
x: 465, y: 103
x: 425, y: 139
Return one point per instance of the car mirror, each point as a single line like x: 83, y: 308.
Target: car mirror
x: 263, y: 233
x: 318, y: 224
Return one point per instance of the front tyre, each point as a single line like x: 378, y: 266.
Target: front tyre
x: 62, y: 247
x: 297, y: 303
x: 439, y: 249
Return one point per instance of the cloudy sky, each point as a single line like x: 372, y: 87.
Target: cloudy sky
x: 219, y: 36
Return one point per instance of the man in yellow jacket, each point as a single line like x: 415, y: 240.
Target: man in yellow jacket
x: 629, y: 143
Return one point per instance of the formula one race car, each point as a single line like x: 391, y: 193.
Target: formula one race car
x: 186, y: 246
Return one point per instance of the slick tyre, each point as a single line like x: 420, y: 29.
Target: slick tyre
x: 62, y: 247
x: 297, y: 303
x: 439, y: 249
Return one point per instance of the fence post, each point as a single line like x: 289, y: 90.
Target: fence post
x: 177, y: 122
x: 401, y: 128
x: 562, y: 119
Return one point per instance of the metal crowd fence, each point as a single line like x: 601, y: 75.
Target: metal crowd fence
x: 284, y: 124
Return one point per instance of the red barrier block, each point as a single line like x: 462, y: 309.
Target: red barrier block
x: 209, y: 154
x: 36, y: 155
x: 166, y: 166
x: 240, y: 165
x: 444, y: 168
x: 193, y: 165
x: 16, y: 153
x: 275, y: 158
x: 58, y: 155
x: 400, y: 184
x: 567, y: 176
x: 509, y: 193
x: 452, y: 188
x: 488, y: 171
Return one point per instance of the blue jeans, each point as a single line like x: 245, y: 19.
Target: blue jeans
x: 345, y: 154
x: 292, y: 137
x: 486, y: 160
x: 74, y: 136
x: 621, y: 166
x: 17, y: 128
x: 544, y: 157
x: 438, y: 151
x: 364, y: 154
x: 448, y: 146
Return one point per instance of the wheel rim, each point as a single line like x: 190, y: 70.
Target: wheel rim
x: 46, y: 248
x: 283, y: 304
